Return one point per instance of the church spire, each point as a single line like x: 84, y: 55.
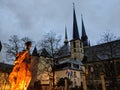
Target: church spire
x: 75, y: 27
x: 76, y: 45
x: 35, y: 53
x: 84, y: 36
x: 66, y: 38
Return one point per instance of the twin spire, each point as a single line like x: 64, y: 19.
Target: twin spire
x: 75, y: 26
x: 84, y: 37
x: 83, y: 30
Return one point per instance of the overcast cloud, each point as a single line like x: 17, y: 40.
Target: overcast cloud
x: 34, y: 18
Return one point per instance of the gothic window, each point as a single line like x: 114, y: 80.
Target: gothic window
x: 76, y: 66
x: 81, y: 50
x: 74, y: 50
x: 117, y: 67
x: 64, y: 65
x: 75, y: 75
x: 80, y: 44
x: 74, y: 44
x: 75, y: 58
x: 107, y: 69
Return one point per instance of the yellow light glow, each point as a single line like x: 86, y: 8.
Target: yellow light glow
x: 20, y: 76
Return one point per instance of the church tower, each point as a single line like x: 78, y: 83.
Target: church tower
x: 77, y: 51
x: 84, y: 36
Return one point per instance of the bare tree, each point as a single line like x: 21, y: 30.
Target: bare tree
x: 105, y: 55
x: 51, y: 42
x: 107, y: 37
x: 112, y: 53
x: 109, y: 45
x: 108, y: 53
x: 14, y: 45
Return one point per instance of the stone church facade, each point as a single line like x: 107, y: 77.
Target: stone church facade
x: 74, y: 58
x: 69, y: 58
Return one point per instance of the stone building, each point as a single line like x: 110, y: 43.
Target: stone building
x: 69, y: 59
x: 103, y: 58
x: 5, y: 70
x: 41, y: 69
x: 77, y: 53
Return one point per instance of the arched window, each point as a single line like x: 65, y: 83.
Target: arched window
x: 74, y: 44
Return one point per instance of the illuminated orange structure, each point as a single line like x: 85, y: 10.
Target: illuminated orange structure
x: 20, y: 76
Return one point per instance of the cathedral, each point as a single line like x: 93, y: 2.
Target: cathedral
x: 75, y: 58
x: 69, y: 57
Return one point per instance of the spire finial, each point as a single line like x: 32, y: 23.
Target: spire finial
x: 82, y: 19
x: 66, y: 38
x: 81, y: 16
x: 66, y: 32
x: 73, y: 5
x: 35, y: 53
x: 83, y: 27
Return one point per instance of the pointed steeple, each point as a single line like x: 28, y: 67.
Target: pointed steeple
x: 76, y: 43
x: 83, y: 29
x: 66, y: 38
x: 34, y: 53
x: 44, y: 53
x: 84, y: 36
x: 75, y: 26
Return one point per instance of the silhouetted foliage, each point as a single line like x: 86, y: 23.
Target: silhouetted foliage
x: 110, y: 52
x: 37, y: 85
x: 51, y: 43
x: 15, y: 45
x: 61, y: 82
